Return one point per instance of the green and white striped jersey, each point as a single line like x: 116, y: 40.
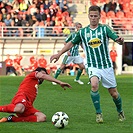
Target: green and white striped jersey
x: 75, y: 49
x: 95, y: 44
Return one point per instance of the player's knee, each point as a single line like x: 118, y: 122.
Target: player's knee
x: 113, y: 93
x: 19, y: 108
x: 41, y: 118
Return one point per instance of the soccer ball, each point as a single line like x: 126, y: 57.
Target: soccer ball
x: 60, y: 119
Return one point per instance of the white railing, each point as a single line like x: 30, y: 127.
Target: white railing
x: 122, y: 26
x: 36, y: 32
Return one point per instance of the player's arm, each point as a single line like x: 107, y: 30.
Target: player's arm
x: 44, y: 76
x: 68, y: 46
x: 114, y: 36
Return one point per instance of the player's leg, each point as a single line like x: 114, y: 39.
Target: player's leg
x: 81, y: 67
x: 29, y: 115
x: 118, y: 103
x: 7, y: 108
x: 37, y: 117
x: 109, y: 81
x: 59, y: 70
x: 78, y: 60
x: 95, y: 96
x: 11, y: 108
x: 64, y: 62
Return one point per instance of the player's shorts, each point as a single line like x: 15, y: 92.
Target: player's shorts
x: 75, y: 59
x: 105, y: 75
x: 29, y: 109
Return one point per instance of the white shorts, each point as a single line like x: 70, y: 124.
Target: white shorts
x: 105, y: 75
x: 72, y: 59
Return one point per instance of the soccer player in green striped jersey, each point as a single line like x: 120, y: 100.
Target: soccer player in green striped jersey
x: 72, y: 56
x: 95, y: 40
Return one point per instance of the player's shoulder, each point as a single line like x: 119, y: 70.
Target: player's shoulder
x: 104, y: 26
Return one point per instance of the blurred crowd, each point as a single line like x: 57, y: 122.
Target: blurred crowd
x: 52, y: 16
x: 119, y: 11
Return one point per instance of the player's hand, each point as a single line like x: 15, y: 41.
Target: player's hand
x: 54, y: 57
x: 120, y: 40
x: 63, y: 85
x: 68, y: 53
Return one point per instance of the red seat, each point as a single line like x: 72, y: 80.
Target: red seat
x: 111, y: 14
x: 128, y: 14
x: 120, y: 14
x: 103, y: 14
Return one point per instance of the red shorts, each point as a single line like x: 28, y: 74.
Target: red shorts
x: 29, y: 109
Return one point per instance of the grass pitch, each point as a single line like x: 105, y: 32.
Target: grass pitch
x: 76, y: 102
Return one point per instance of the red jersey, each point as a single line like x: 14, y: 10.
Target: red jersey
x: 17, y: 60
x: 113, y: 55
x: 29, y: 87
x: 42, y: 63
x: 9, y: 62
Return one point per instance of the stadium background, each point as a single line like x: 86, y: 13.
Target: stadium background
x: 48, y: 44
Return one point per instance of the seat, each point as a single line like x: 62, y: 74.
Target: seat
x: 110, y: 14
x: 120, y: 14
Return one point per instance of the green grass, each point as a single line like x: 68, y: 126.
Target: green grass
x: 76, y: 103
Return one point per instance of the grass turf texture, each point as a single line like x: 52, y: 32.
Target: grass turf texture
x: 76, y: 103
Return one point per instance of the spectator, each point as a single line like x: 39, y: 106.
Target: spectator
x: 35, y: 28
x: 42, y: 62
x: 13, y: 31
x: 9, y: 65
x: 28, y: 30
x: 46, y: 5
x: 111, y: 6
x: 42, y: 13
x: 24, y: 20
x: 23, y: 6
x: 17, y: 19
x: 49, y: 25
x: 4, y: 14
x: 32, y: 20
x: 38, y: 15
x: 64, y: 6
x: 33, y: 9
x: 48, y: 17
x: 57, y: 29
x: 41, y: 29
x: 8, y: 20
x: 15, y: 6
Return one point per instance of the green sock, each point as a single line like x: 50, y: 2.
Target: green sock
x: 95, y: 96
x: 118, y: 103
x: 79, y: 74
x: 57, y: 73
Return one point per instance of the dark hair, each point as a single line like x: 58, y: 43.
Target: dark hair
x: 41, y: 69
x: 95, y: 8
x: 77, y: 23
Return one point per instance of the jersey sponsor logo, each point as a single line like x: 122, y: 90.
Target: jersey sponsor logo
x: 88, y: 34
x: 95, y: 42
x: 23, y: 100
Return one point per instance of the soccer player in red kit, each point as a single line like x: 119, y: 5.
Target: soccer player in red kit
x: 42, y: 62
x: 9, y: 65
x: 113, y: 55
x: 17, y: 64
x: 22, y: 103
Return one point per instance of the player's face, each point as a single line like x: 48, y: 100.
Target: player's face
x: 94, y: 17
x: 79, y: 27
x: 40, y: 79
